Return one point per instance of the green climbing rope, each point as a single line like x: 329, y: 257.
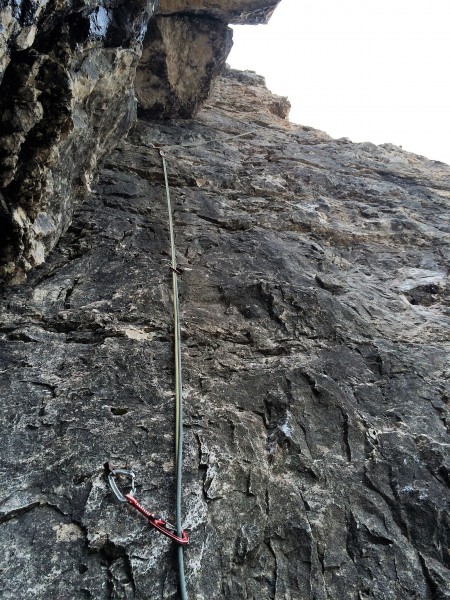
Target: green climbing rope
x: 177, y: 348
x: 178, y: 385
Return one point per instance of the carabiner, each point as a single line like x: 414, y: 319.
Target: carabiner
x: 153, y: 520
x: 113, y: 473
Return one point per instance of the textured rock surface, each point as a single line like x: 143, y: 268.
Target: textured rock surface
x: 315, y: 308
x: 182, y: 55
x: 230, y: 11
x: 66, y: 97
x: 185, y: 49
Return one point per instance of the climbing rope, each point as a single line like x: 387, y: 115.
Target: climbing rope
x: 177, y: 347
x: 175, y: 533
x: 195, y: 144
x: 178, y: 384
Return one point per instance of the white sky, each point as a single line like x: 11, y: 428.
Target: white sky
x: 370, y: 70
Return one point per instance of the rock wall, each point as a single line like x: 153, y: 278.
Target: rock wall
x: 67, y: 97
x: 315, y: 323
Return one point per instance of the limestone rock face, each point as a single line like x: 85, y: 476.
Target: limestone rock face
x: 67, y: 72
x: 66, y: 97
x: 182, y: 56
x: 316, y: 336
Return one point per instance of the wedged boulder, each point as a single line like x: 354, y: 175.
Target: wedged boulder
x: 182, y: 55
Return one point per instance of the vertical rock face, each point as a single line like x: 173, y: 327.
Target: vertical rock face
x: 315, y: 313
x: 66, y: 97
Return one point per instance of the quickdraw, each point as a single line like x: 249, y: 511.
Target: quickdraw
x: 175, y: 533
x: 160, y: 524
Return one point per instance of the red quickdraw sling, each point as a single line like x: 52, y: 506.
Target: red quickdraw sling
x: 160, y: 524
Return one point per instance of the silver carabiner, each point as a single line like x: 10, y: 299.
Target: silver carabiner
x: 112, y: 482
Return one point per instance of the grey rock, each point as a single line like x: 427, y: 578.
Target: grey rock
x: 67, y: 97
x: 182, y: 56
x: 316, y: 384
x: 251, y: 12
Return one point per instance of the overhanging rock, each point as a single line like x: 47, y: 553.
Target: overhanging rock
x: 182, y: 54
x: 67, y: 97
x: 250, y: 12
